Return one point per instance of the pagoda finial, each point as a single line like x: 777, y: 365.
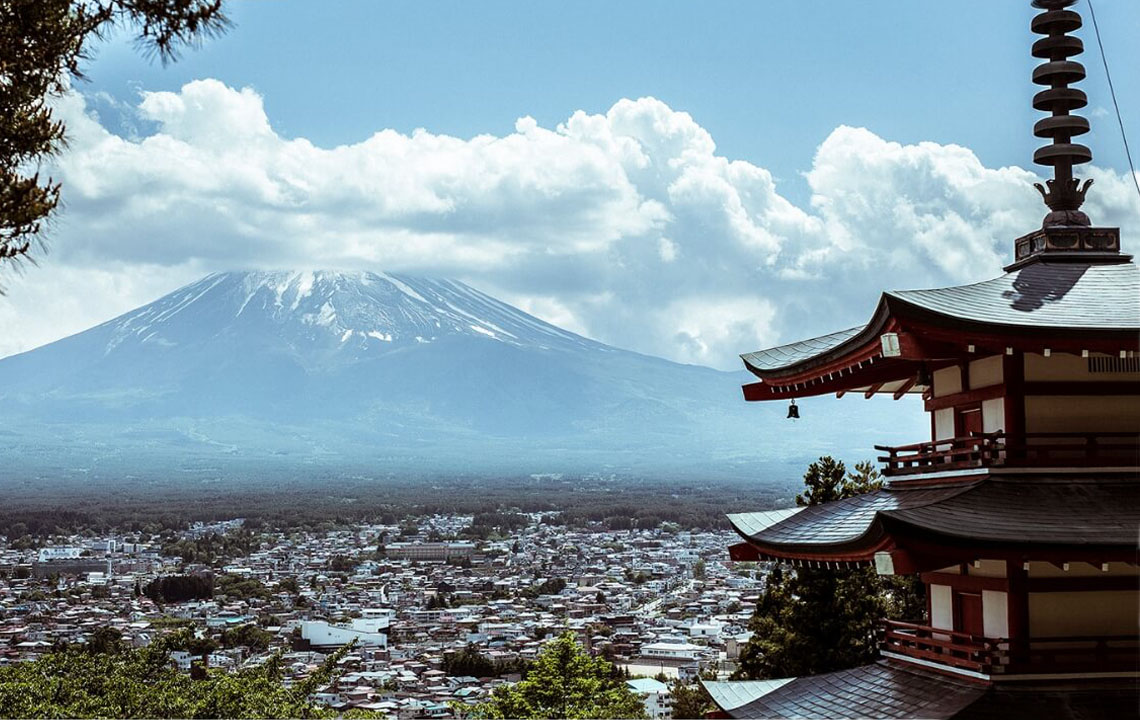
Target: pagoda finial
x: 1065, y: 193
x: 1066, y: 234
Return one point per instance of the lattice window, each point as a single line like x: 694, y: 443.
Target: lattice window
x: 1114, y: 364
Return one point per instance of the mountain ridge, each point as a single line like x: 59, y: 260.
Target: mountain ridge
x: 328, y: 367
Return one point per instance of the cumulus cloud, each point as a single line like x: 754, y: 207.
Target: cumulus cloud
x: 627, y: 226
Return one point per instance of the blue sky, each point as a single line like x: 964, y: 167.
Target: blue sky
x: 768, y: 80
x: 691, y: 180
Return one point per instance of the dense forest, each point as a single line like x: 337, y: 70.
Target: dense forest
x: 38, y: 511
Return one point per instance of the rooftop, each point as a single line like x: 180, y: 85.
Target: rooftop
x: 897, y: 690
x: 1078, y: 299
x: 1025, y: 511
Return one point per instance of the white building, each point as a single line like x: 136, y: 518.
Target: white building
x: 710, y: 629
x: 654, y: 695
x: 432, y: 551
x: 58, y: 553
x: 671, y: 651
x: 321, y: 634
x: 374, y: 620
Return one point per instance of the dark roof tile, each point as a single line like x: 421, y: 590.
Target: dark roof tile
x: 1024, y: 509
x: 1057, y: 296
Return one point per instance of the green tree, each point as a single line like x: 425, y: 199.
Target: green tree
x: 248, y: 635
x: 564, y: 682
x: 812, y: 621
x: 468, y: 661
x: 241, y: 588
x: 342, y: 563
x: 689, y: 700
x: 43, y: 44
x: 105, y: 640
x: 145, y: 684
x: 179, y: 588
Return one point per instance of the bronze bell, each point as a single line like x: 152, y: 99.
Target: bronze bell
x: 793, y: 411
x: 923, y: 377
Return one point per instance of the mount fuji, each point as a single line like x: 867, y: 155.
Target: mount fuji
x: 388, y: 372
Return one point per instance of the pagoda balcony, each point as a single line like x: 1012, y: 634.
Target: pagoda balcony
x: 998, y: 449
x: 944, y: 647
x: 1002, y: 656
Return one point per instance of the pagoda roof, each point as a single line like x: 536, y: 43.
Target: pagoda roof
x: 1067, y: 299
x: 785, y: 356
x: 899, y: 690
x: 732, y: 694
x: 1047, y: 295
x: 1014, y: 511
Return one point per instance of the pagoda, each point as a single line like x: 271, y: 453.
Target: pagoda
x: 1021, y: 512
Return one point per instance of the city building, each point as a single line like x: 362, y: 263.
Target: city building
x: 368, y: 632
x: 431, y: 551
x: 654, y: 695
x: 1021, y: 511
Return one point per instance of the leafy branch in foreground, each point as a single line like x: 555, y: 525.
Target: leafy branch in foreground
x: 43, y: 44
x: 564, y: 682
x: 123, y: 683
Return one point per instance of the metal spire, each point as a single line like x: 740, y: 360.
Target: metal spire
x: 1066, y: 234
x: 1063, y: 197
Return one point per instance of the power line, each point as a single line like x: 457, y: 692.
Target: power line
x: 1115, y: 105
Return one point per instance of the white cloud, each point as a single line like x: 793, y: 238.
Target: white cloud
x: 625, y: 226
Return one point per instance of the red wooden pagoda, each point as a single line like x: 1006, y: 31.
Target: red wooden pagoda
x: 1022, y: 510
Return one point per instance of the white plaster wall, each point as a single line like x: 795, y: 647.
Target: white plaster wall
x: 370, y: 625
x: 995, y: 614
x: 1063, y: 366
x: 1082, y: 413
x: 320, y: 632
x: 987, y: 568
x: 1062, y: 614
x: 1082, y: 569
x: 993, y: 415
x: 985, y: 372
x: 944, y: 423
x: 941, y: 607
x: 947, y: 381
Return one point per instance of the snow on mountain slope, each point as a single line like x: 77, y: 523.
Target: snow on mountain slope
x: 348, y: 367
x: 358, y: 310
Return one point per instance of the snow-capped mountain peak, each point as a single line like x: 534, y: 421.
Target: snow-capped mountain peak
x: 252, y: 370
x: 362, y: 311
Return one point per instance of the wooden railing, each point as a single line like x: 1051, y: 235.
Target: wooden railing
x: 1120, y: 653
x: 994, y: 656
x: 1000, y: 449
x: 946, y: 647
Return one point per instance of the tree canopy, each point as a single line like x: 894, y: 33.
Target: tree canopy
x: 43, y: 44
x: 689, y: 701
x: 111, y: 681
x: 811, y: 621
x: 564, y: 682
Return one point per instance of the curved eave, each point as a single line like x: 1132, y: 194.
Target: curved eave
x: 858, y: 341
x: 1082, y: 306
x: 860, y: 550
x: 1040, y: 516
x: 842, y: 531
x: 923, y: 540
x: 902, y: 308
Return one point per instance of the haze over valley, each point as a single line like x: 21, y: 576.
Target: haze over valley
x: 291, y: 373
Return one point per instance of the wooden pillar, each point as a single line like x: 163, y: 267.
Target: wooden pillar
x: 1017, y: 611
x: 1013, y: 376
